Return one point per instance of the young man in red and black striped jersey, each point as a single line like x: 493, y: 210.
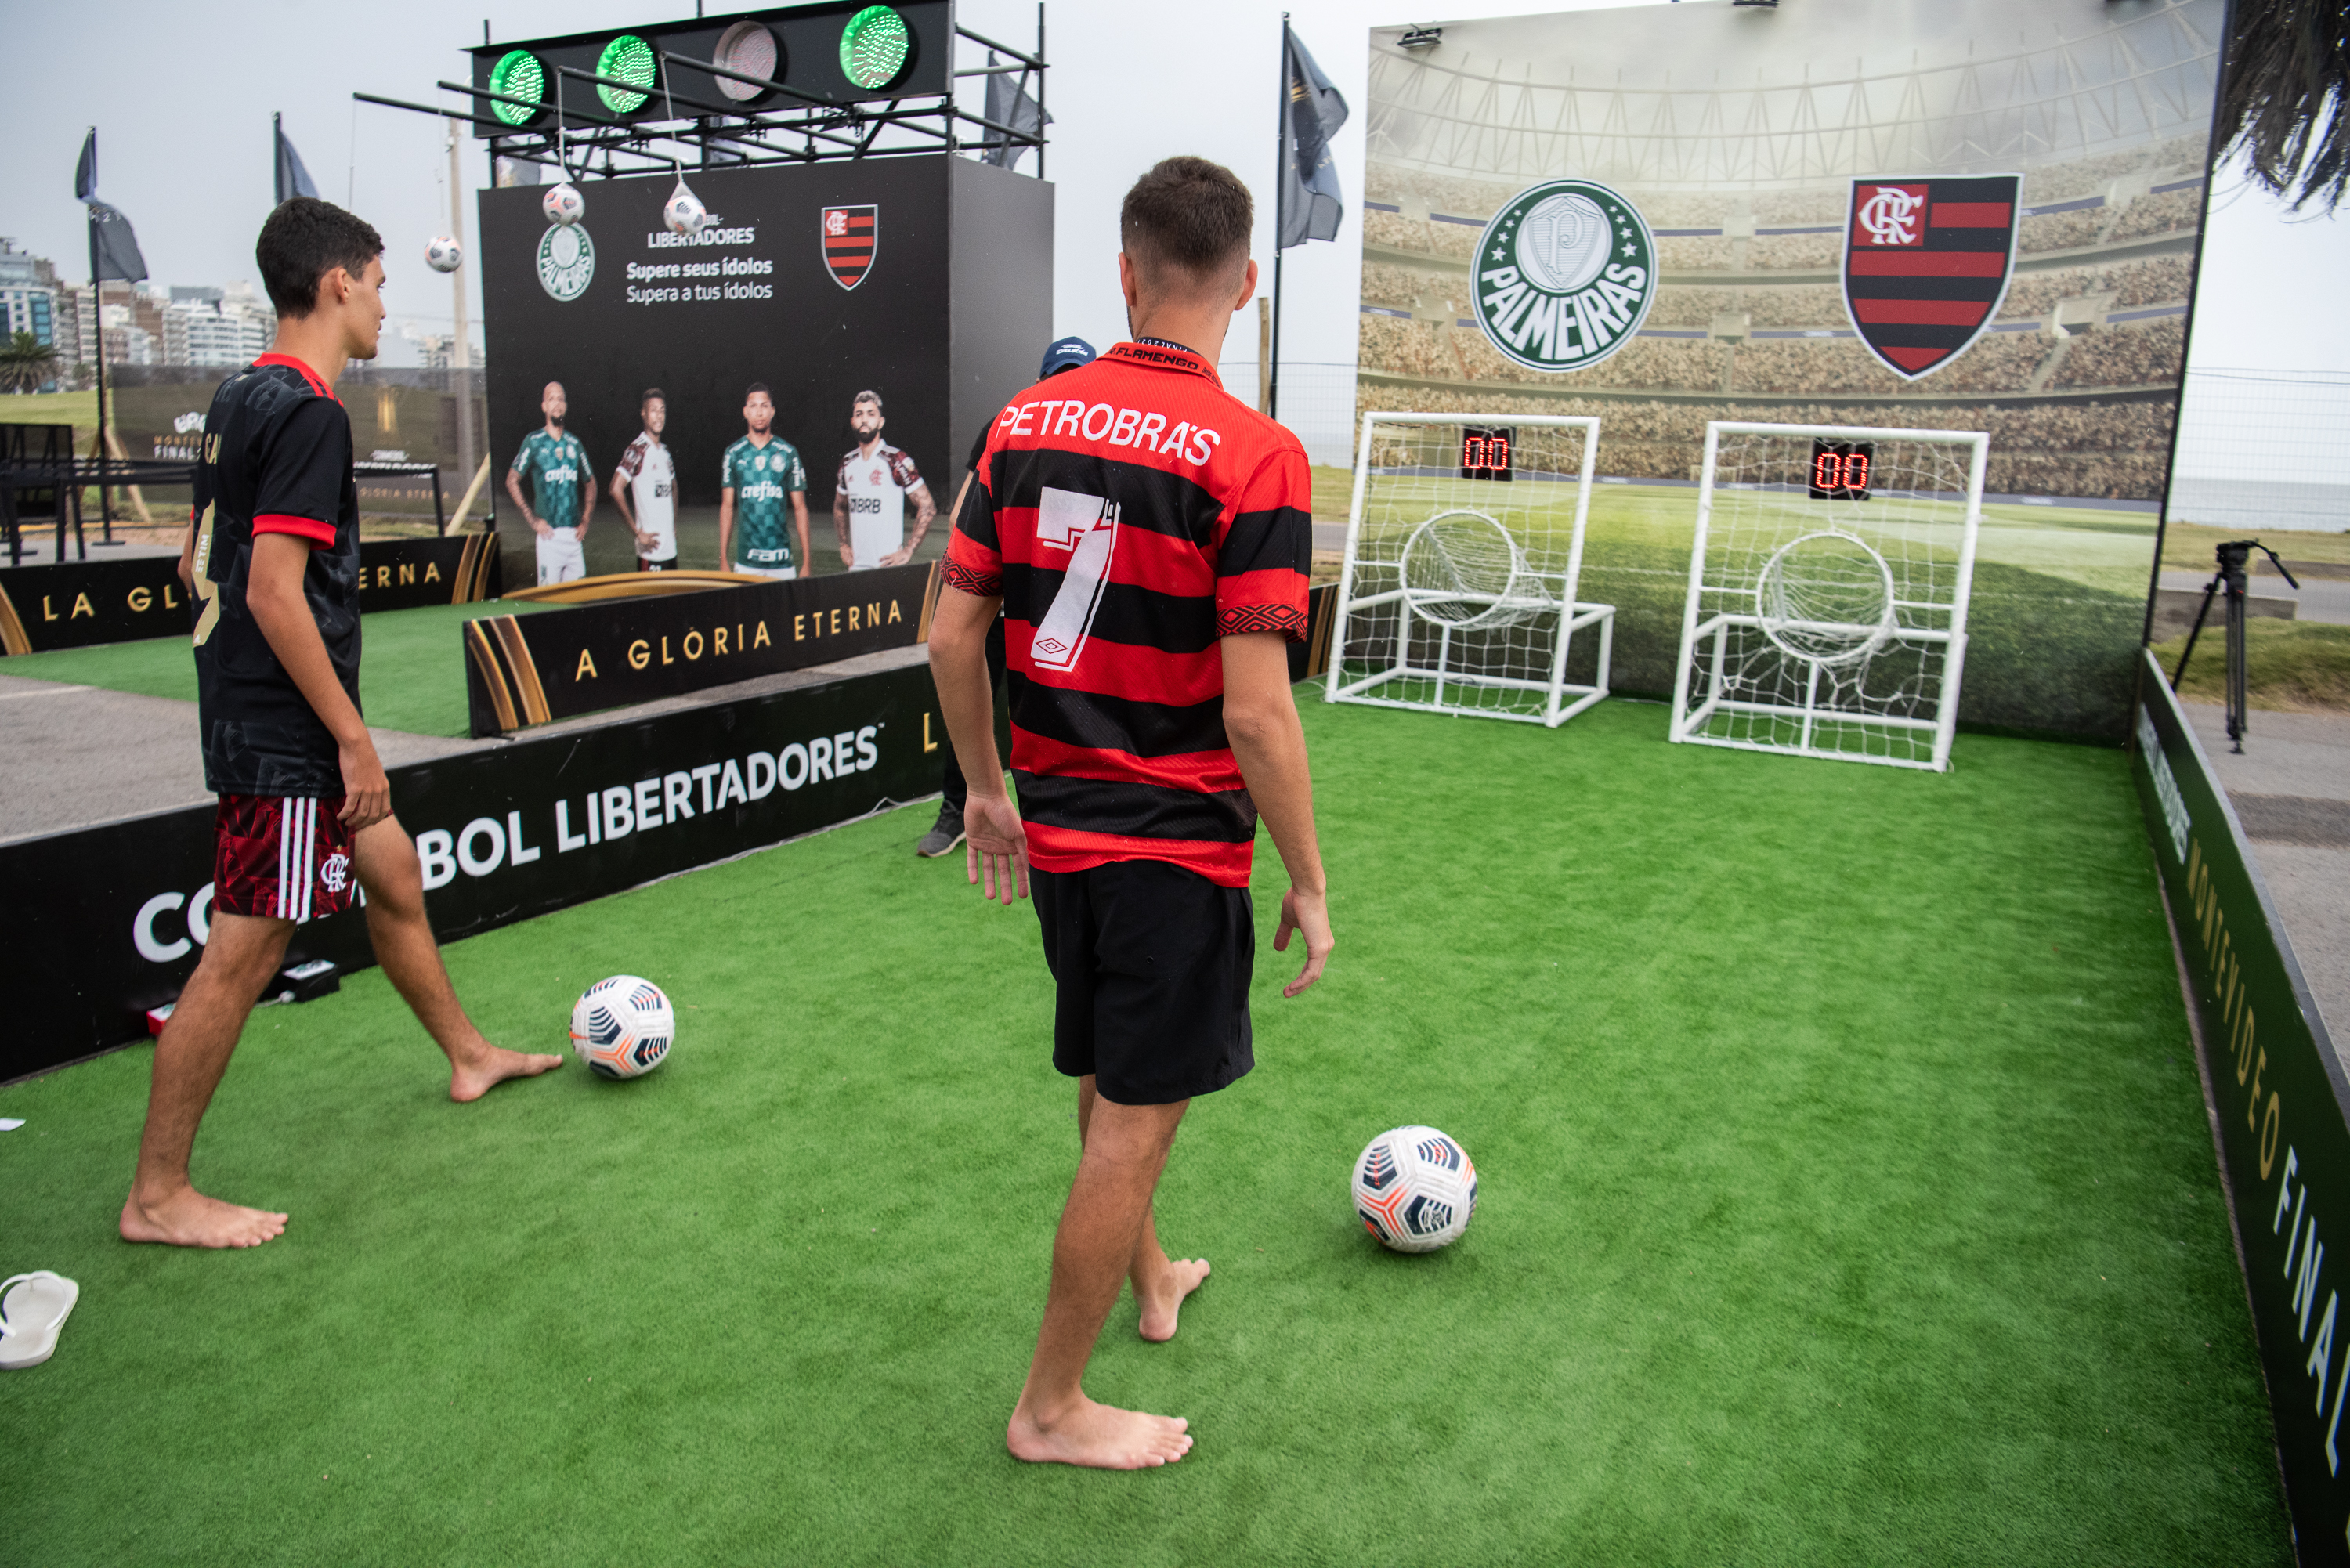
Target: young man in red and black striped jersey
x: 305, y: 820
x: 1147, y: 537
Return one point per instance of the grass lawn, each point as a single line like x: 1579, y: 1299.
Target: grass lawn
x: 2291, y: 666
x: 411, y: 666
x: 1848, y: 1198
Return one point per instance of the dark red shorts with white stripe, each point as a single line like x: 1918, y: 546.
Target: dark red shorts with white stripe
x: 284, y: 858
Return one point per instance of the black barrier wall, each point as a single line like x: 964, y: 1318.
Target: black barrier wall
x: 504, y: 834
x: 528, y: 670
x: 76, y: 603
x: 2281, y: 1106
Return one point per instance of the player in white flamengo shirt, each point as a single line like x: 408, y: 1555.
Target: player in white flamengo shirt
x: 870, y: 493
x: 647, y: 477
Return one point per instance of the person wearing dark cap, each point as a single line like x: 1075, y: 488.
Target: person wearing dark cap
x: 947, y: 832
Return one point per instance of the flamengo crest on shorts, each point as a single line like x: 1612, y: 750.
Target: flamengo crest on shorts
x: 1565, y: 274
x: 1925, y: 263
x: 852, y: 237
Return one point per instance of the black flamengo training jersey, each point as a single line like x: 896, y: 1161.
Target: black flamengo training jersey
x: 1131, y: 513
x: 277, y: 460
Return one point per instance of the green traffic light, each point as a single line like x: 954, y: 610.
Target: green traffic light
x: 630, y: 59
x: 519, y: 74
x: 875, y: 47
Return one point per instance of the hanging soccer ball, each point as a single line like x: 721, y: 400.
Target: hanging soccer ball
x: 563, y: 204
x: 684, y: 212
x: 444, y: 255
x: 622, y: 1027
x: 1415, y: 1189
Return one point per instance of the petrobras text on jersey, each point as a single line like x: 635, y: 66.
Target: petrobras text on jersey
x: 1120, y: 427
x: 662, y: 240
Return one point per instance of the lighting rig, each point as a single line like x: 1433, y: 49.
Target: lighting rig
x: 803, y: 84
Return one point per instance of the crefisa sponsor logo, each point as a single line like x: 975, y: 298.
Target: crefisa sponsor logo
x: 1565, y: 274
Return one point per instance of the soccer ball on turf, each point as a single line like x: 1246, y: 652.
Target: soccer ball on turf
x: 684, y: 212
x: 563, y: 204
x: 1415, y: 1189
x: 622, y: 1027
x: 444, y: 255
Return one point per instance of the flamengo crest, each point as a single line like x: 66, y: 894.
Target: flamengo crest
x: 851, y: 237
x: 1926, y: 263
x: 1565, y: 274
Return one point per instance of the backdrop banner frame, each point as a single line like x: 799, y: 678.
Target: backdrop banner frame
x: 2280, y: 1106
x: 81, y: 604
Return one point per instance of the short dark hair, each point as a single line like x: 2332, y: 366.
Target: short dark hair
x: 650, y: 393
x: 759, y: 387
x: 304, y: 240
x: 1190, y: 217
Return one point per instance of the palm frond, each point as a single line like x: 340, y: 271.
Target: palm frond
x: 2282, y: 106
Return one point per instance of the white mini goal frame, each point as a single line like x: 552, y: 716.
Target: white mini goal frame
x: 1714, y: 680
x: 1529, y: 597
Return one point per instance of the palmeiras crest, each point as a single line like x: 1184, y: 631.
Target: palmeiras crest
x: 851, y: 236
x: 1926, y: 263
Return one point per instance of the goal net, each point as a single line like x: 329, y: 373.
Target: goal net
x: 1828, y: 591
x: 1464, y: 546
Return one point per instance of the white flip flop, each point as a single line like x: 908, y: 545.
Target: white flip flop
x: 33, y: 1308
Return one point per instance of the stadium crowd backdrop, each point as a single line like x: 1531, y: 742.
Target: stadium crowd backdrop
x: 2061, y: 144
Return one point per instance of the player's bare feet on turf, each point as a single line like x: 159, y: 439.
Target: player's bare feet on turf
x: 1100, y: 1436
x: 189, y: 1218
x: 1159, y: 1307
x: 493, y: 1067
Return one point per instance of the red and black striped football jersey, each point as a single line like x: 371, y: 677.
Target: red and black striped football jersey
x: 1129, y: 514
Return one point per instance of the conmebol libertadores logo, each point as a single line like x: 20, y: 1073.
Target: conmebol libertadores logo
x: 1566, y: 272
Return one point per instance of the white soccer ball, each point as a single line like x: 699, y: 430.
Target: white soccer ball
x: 684, y: 212
x: 1415, y: 1189
x: 444, y: 255
x: 563, y: 204
x: 1564, y: 241
x: 622, y: 1028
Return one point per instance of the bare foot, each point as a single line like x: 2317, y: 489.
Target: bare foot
x: 1183, y: 1276
x: 494, y: 1067
x: 189, y: 1218
x: 1100, y: 1436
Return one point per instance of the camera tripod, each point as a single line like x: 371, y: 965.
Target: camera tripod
x: 2234, y: 555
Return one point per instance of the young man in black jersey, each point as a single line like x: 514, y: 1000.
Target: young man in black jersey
x: 304, y: 815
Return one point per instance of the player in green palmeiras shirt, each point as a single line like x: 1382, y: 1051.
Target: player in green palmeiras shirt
x: 562, y: 500
x: 758, y: 476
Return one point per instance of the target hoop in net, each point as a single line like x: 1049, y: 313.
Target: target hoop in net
x: 1464, y: 546
x: 1823, y: 618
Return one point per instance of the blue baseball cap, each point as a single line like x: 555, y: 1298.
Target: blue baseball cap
x: 1066, y: 355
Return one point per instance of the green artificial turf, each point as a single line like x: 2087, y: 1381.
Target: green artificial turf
x: 411, y: 666
x: 1848, y: 1198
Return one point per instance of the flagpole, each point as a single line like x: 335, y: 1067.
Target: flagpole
x: 97, y: 303
x: 1280, y: 187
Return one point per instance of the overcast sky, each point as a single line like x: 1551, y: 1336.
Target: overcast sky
x: 182, y: 109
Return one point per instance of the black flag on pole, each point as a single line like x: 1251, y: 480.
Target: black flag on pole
x: 1008, y: 103
x: 113, y: 248
x: 292, y: 179
x: 86, y: 170
x: 1310, y: 203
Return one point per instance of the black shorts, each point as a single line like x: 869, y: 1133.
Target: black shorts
x: 1152, y: 964
x: 668, y: 566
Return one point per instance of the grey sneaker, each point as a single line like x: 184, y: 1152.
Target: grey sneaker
x: 945, y: 834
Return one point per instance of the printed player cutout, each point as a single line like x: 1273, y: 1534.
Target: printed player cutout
x: 851, y: 236
x: 1925, y: 263
x: 1086, y: 527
